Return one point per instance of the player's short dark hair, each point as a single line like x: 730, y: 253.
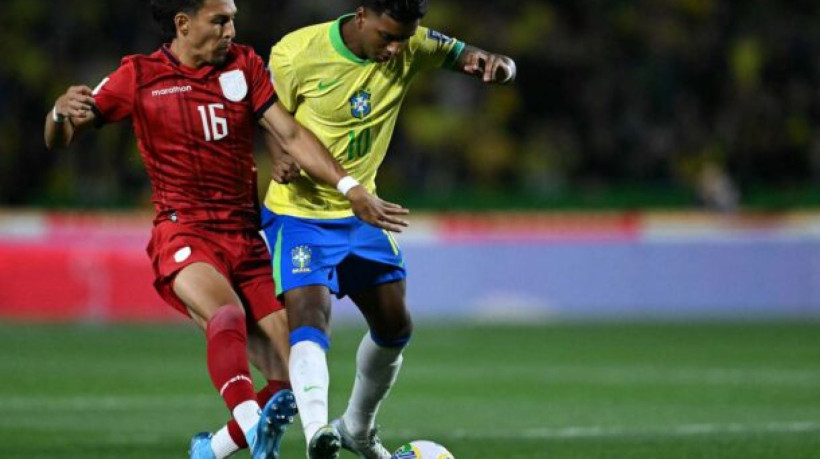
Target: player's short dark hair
x: 164, y: 12
x: 400, y: 10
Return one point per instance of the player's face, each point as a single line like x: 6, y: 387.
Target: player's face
x: 212, y: 30
x: 382, y: 36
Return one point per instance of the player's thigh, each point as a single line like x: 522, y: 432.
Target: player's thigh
x: 309, y: 306
x: 374, y: 278
x: 203, y: 290
x: 385, y: 309
x: 189, y: 272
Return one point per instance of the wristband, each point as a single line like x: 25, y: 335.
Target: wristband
x: 345, y: 184
x: 58, y: 118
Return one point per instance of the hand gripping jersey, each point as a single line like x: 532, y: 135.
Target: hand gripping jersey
x: 351, y: 104
x: 194, y: 130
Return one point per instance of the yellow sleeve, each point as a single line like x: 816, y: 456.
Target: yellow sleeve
x: 284, y: 77
x: 434, y: 49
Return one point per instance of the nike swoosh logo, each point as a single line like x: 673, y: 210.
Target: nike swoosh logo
x: 322, y: 85
x: 310, y: 388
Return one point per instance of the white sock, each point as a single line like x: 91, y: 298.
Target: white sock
x: 310, y: 380
x: 247, y: 416
x: 376, y: 371
x: 222, y: 444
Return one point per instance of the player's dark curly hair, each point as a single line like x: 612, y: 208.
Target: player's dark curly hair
x: 164, y: 12
x: 400, y: 10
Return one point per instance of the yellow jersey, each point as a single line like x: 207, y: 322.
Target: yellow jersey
x: 350, y: 104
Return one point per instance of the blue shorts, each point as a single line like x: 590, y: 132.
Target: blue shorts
x: 346, y: 254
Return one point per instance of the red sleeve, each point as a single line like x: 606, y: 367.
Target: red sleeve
x: 262, y: 93
x: 114, y: 96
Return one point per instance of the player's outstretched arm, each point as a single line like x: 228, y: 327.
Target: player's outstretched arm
x: 314, y: 158
x: 491, y: 68
x: 71, y: 114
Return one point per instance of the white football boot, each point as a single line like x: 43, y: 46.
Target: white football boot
x: 368, y: 447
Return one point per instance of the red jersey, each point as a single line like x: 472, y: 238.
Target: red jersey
x: 194, y: 130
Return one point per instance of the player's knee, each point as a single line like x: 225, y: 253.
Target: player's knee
x: 311, y: 334
x: 396, y: 334
x: 400, y: 340
x: 227, y: 317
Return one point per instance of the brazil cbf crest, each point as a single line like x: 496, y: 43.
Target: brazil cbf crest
x: 301, y: 257
x: 234, y: 85
x: 360, y: 104
x: 422, y: 449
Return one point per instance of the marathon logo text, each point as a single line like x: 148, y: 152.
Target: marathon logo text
x: 171, y: 90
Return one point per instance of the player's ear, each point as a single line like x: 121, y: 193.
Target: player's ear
x: 183, y: 23
x: 361, y: 12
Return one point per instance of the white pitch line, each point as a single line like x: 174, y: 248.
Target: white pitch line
x: 106, y: 403
x: 641, y: 375
x: 682, y: 430
x: 114, y: 403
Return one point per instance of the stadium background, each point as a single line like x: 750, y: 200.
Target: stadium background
x: 655, y: 165
x: 623, y: 103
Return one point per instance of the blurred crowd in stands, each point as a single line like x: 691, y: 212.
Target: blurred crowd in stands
x: 704, y: 99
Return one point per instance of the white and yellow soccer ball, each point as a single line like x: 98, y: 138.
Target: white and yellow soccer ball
x: 422, y: 449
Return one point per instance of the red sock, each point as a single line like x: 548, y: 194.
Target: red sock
x: 262, y: 397
x: 227, y: 340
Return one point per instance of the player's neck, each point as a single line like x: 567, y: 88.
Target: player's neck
x: 350, y: 37
x: 185, y: 55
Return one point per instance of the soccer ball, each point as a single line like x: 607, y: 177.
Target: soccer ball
x: 422, y: 449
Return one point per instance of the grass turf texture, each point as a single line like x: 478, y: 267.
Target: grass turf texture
x: 745, y: 390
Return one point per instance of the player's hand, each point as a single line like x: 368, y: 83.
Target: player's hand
x: 491, y: 68
x: 285, y: 169
x: 76, y: 102
x: 375, y: 211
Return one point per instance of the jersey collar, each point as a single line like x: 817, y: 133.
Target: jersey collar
x: 165, y: 49
x: 339, y: 44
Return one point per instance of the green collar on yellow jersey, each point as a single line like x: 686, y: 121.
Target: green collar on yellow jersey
x: 339, y: 44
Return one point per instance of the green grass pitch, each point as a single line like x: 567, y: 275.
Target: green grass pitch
x: 710, y: 390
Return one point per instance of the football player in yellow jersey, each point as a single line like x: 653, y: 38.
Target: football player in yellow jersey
x: 345, y: 81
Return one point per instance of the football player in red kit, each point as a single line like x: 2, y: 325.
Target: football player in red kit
x: 194, y: 105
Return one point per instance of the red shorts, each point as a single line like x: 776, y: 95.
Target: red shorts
x: 240, y: 256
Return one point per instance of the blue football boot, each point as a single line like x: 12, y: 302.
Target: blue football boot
x: 274, y: 419
x: 201, y: 446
